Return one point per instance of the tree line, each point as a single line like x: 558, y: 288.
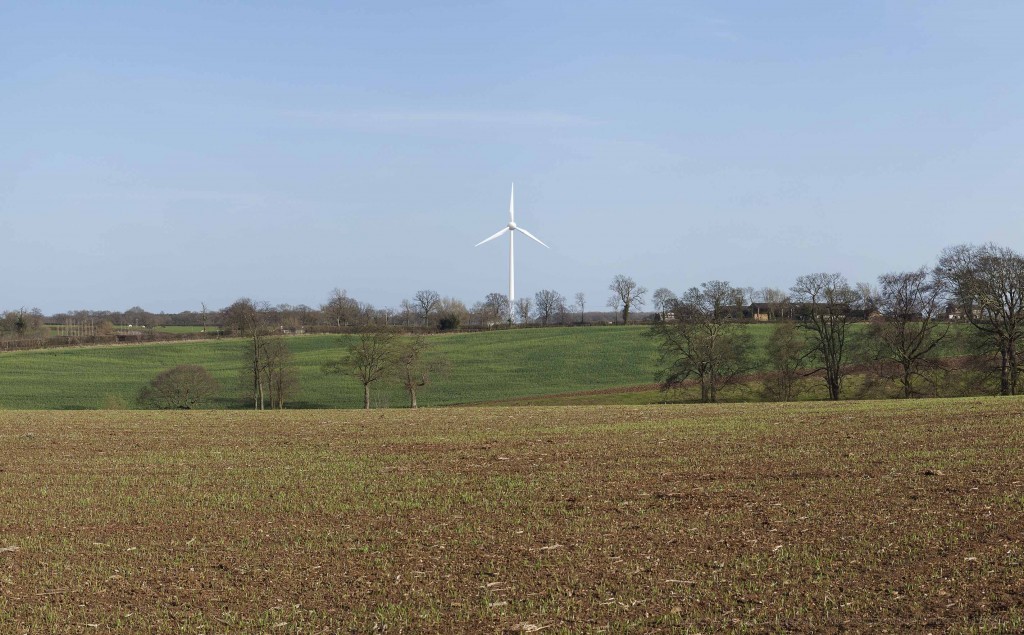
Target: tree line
x: 425, y: 310
x: 907, y: 317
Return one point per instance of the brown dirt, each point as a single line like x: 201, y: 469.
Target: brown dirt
x: 862, y: 517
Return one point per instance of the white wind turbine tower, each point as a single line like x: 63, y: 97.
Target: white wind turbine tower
x: 511, y: 228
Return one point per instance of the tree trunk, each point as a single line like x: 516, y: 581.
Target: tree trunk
x: 366, y: 396
x: 412, y: 396
x: 1004, y: 373
x: 271, y: 393
x: 1012, y: 355
x: 832, y: 378
x: 788, y: 381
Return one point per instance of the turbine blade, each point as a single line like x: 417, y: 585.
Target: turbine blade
x: 531, y: 236
x: 512, y: 204
x: 492, y: 237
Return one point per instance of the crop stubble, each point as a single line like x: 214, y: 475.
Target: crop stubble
x: 868, y: 516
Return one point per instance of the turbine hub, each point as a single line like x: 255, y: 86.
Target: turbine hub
x: 511, y: 225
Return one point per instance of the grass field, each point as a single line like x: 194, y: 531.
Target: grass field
x: 485, y: 367
x: 864, y: 517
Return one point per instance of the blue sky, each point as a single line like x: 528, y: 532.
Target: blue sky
x: 169, y: 154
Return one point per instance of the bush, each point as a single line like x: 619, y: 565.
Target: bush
x: 448, y: 322
x: 181, y: 388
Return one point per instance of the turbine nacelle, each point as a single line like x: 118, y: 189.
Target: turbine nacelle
x: 511, y: 224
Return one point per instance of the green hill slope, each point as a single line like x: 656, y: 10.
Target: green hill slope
x: 484, y: 367
x: 487, y: 366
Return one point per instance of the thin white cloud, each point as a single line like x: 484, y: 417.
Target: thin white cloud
x: 374, y: 118
x: 165, y: 195
x: 725, y: 35
x: 721, y: 29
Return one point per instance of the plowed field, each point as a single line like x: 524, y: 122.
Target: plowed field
x: 867, y: 516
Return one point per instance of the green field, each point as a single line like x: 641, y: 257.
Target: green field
x: 860, y: 517
x: 485, y: 366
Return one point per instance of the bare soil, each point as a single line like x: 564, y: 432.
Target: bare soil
x: 854, y: 517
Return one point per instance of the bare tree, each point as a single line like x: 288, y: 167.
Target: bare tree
x: 909, y: 331
x: 663, y: 300
x: 496, y: 308
x: 478, y: 315
x: 280, y: 375
x: 248, y: 319
x: 524, y: 310
x: 564, y: 312
x: 306, y: 315
x: 828, y: 301
x: 370, y: 358
x: 414, y: 369
x: 869, y: 297
x: 426, y: 303
x: 738, y: 302
x: 581, y: 303
x: 368, y: 315
x: 787, y: 354
x: 289, y: 318
x: 776, y: 301
x: 340, y: 309
x: 703, y: 342
x: 630, y: 294
x: 548, y: 304
x: 614, y: 303
x: 987, y: 282
x: 750, y: 295
x: 408, y: 312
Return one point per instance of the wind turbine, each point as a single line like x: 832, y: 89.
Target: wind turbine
x: 511, y: 228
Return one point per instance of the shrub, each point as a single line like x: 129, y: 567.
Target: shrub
x: 180, y: 388
x: 448, y: 322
